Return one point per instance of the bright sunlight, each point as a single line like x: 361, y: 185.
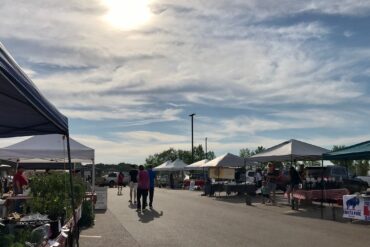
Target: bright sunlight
x: 127, y: 14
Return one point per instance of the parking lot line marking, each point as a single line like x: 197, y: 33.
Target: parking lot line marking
x: 89, y: 236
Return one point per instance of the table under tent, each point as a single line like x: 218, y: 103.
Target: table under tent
x: 25, y: 112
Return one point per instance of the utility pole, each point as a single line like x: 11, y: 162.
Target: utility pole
x: 192, y: 136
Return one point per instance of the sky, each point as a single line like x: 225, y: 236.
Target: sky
x: 128, y: 73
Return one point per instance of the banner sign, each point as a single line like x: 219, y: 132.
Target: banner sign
x: 222, y: 172
x: 356, y: 207
x: 101, y: 197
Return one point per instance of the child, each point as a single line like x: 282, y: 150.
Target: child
x: 265, y: 193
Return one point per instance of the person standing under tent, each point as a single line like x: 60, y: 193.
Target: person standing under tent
x: 142, y: 188
x: 19, y: 181
x: 133, y: 183
x: 272, y: 176
x: 120, y: 183
x: 152, y: 175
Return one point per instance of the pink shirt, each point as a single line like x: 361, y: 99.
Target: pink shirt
x: 143, y: 182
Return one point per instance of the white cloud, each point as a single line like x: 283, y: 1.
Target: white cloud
x: 192, y: 54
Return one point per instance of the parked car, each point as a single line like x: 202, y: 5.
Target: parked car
x: 365, y: 179
x: 338, y: 173
x: 112, y: 178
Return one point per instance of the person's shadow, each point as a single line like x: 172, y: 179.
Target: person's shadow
x: 148, y: 215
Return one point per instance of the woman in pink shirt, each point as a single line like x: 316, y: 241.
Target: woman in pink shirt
x: 142, y: 188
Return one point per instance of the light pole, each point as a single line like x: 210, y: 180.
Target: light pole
x: 206, y: 147
x: 192, y: 136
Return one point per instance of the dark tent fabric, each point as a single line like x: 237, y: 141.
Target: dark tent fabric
x: 23, y: 110
x: 355, y: 152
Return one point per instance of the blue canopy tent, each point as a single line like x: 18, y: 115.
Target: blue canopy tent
x: 24, y: 111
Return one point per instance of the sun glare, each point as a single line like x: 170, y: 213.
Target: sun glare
x: 127, y: 14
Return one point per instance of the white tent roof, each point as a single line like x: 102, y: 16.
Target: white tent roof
x: 226, y: 160
x: 197, y: 165
x: 288, y: 150
x: 177, y: 165
x: 47, y: 147
x: 163, y: 166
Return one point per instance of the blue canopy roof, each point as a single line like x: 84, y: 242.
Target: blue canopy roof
x: 23, y: 110
x: 355, y: 152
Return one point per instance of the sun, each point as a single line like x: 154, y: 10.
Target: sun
x: 127, y: 14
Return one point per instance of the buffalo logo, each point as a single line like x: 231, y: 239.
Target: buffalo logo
x: 353, y: 202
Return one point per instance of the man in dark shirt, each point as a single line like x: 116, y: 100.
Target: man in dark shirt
x: 133, y: 183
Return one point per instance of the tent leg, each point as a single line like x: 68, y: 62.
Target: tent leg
x: 322, y: 189
x: 93, y: 176
x: 72, y: 193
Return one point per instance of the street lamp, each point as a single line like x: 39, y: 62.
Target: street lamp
x: 192, y: 136
x: 206, y: 147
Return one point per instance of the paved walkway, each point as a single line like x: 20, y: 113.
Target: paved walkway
x: 107, y: 232
x: 183, y: 218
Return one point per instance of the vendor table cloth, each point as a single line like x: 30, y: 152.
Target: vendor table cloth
x: 328, y: 195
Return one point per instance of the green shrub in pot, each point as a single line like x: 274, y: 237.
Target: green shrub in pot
x: 51, y: 194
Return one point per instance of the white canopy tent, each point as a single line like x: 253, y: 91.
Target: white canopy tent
x: 289, y: 151
x: 226, y: 160
x: 163, y: 166
x: 196, y: 166
x: 177, y: 165
x: 48, y: 149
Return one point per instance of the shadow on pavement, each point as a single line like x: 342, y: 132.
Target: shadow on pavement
x: 100, y: 211
x: 148, y: 215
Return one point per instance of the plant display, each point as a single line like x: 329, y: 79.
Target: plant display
x: 51, y: 194
x: 87, y: 217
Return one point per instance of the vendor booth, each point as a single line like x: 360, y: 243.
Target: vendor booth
x: 222, y: 170
x: 355, y: 206
x: 25, y: 112
x: 294, y: 150
x: 171, y: 173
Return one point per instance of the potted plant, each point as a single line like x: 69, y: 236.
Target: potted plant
x: 51, y: 195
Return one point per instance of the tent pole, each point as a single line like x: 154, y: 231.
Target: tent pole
x: 72, y: 193
x: 322, y: 188
x: 93, y: 176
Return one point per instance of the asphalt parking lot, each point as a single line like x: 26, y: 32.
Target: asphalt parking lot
x: 184, y: 218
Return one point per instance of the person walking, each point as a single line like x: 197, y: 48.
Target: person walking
x: 120, y: 183
x: 133, y: 183
x: 295, y: 180
x: 142, y: 188
x: 151, y: 174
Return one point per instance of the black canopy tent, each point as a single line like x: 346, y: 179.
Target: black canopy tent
x: 24, y: 111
